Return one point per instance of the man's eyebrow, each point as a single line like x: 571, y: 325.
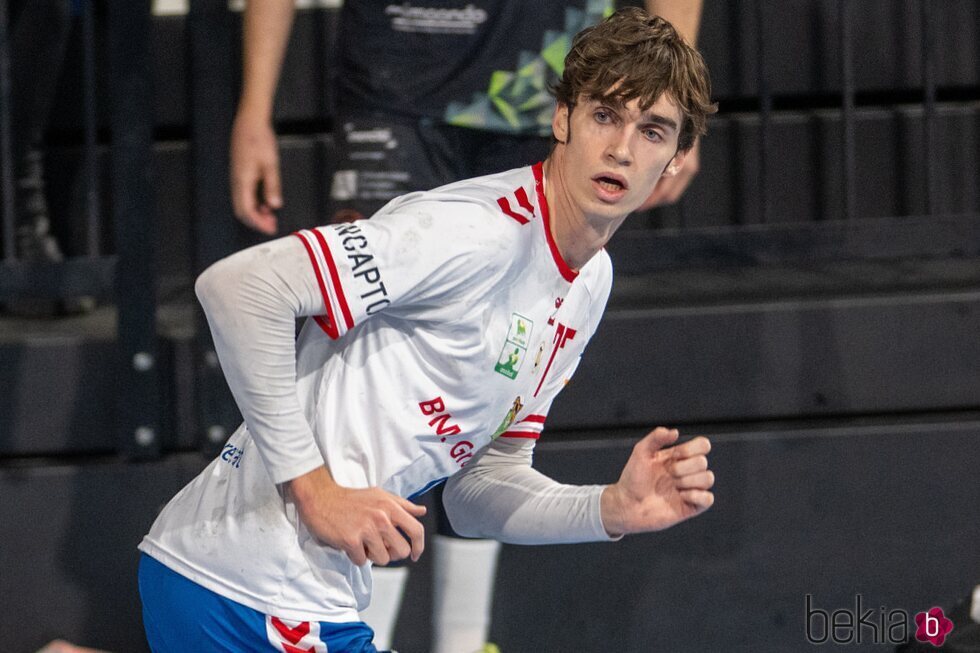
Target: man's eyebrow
x: 647, y: 116
x: 657, y: 119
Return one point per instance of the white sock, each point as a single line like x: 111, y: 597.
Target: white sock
x: 388, y: 585
x: 462, y: 584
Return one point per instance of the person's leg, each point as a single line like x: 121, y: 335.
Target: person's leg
x: 38, y: 40
x: 463, y: 577
x: 180, y: 615
x: 388, y: 588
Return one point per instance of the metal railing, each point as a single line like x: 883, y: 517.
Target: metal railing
x: 760, y: 239
x: 848, y: 92
x: 6, y: 149
x: 128, y: 277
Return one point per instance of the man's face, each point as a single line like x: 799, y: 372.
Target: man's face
x: 614, y: 155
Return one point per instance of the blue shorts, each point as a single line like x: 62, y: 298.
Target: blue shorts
x: 179, y: 616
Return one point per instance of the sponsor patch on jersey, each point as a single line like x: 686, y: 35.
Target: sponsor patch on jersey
x: 509, y: 418
x: 537, y: 359
x: 514, y: 351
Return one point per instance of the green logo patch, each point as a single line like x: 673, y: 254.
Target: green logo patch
x: 514, y: 351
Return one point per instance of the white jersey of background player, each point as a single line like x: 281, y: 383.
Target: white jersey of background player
x: 451, y: 318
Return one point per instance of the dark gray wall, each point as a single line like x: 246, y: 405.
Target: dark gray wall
x: 886, y: 510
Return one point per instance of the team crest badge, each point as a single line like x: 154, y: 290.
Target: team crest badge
x: 537, y: 359
x: 515, y: 348
x: 509, y: 419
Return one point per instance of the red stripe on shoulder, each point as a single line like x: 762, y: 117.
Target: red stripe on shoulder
x: 342, y: 300
x: 327, y: 322
x: 316, y: 268
x: 523, y: 200
x: 505, y: 207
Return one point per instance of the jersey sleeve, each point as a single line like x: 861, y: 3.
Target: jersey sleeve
x: 528, y: 428
x: 251, y: 300
x: 500, y: 496
x: 420, y: 256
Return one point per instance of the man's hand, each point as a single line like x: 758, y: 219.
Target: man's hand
x: 669, y: 189
x: 659, y: 486
x: 255, y: 188
x: 368, y: 524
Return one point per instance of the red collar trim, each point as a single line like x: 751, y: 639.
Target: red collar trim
x: 564, y: 268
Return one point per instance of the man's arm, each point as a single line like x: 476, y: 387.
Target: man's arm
x: 685, y: 16
x: 252, y: 300
x: 499, y: 495
x: 254, y: 153
x: 661, y: 485
x: 365, y: 524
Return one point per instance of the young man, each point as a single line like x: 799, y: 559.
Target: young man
x: 443, y: 329
x: 426, y: 95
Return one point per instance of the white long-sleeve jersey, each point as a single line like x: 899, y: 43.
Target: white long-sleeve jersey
x: 442, y: 330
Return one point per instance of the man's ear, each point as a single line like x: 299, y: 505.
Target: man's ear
x: 559, y: 122
x: 675, y: 164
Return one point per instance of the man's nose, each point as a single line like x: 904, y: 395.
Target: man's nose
x: 620, y: 148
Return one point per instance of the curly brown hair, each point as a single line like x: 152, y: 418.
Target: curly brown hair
x: 635, y: 55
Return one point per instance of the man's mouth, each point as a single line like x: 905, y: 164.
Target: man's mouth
x: 612, y: 183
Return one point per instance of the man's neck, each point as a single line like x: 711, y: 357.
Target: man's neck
x: 578, y: 236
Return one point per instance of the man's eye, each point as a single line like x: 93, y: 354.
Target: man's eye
x: 602, y: 116
x: 652, y: 134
